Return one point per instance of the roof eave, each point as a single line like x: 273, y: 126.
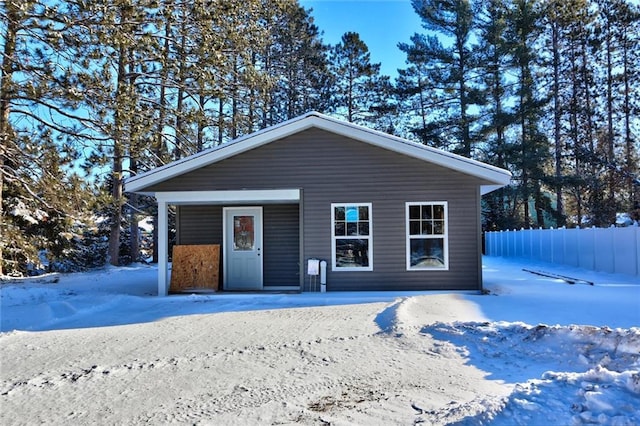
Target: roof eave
x: 485, y: 189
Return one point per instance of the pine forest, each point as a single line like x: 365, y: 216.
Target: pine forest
x: 94, y: 91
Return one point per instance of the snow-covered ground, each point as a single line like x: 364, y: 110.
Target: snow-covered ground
x: 98, y: 348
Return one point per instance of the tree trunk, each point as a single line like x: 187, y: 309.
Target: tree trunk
x: 423, y: 101
x: 117, y: 183
x: 539, y: 206
x: 159, y: 149
x: 611, y: 213
x: 556, y: 121
x: 134, y: 229
x: 497, y: 102
x: 575, y: 137
x: 350, y: 95
x: 116, y: 194
x: 134, y: 154
x: 6, y: 78
x: 202, y: 121
x: 234, y: 101
x: 629, y: 151
x: 524, y: 100
x: 179, y: 149
x: 462, y: 95
x: 220, y: 121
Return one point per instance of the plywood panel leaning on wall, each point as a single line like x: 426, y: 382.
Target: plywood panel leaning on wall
x: 195, y: 267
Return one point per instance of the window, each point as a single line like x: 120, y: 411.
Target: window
x: 243, y: 234
x: 427, y: 237
x: 351, y: 237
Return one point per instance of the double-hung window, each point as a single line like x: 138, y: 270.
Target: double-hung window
x: 427, y: 236
x: 351, y: 237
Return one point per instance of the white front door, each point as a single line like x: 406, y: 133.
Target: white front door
x: 242, y: 248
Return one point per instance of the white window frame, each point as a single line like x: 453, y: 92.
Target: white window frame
x: 336, y: 268
x: 444, y: 236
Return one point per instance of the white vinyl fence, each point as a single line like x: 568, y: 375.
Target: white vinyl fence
x: 615, y: 250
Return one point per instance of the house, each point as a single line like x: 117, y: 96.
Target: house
x: 384, y: 212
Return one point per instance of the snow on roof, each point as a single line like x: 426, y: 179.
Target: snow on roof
x: 496, y: 176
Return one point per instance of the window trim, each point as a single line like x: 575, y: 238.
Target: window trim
x: 335, y: 268
x: 444, y: 236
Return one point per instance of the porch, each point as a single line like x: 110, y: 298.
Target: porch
x: 259, y: 231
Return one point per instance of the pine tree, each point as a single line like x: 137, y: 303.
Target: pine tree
x: 607, y: 16
x: 566, y: 71
x: 120, y: 50
x: 451, y: 71
x: 412, y: 88
x: 354, y: 78
x: 628, y: 33
x: 297, y: 63
x: 579, y: 112
x: 39, y: 103
x: 554, y: 16
x: 532, y: 146
x: 384, y: 105
x: 616, y: 36
x: 495, y: 52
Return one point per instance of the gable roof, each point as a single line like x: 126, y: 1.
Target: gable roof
x: 496, y: 176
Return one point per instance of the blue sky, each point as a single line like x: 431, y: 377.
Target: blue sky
x: 382, y: 24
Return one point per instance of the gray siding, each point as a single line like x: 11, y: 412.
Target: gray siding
x: 333, y: 169
x: 203, y: 225
x: 281, y: 245
x: 199, y: 225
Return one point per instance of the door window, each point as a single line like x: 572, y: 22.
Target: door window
x: 243, y: 233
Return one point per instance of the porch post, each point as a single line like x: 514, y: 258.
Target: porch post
x: 162, y: 248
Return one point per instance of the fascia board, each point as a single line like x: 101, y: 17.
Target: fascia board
x: 217, y: 197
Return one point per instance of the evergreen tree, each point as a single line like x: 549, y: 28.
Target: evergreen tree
x: 297, y: 63
x: 628, y: 33
x: 608, y: 209
x: 569, y: 29
x: 384, y: 105
x: 532, y: 145
x: 452, y: 75
x: 554, y: 17
x: 495, y: 52
x: 412, y: 88
x: 355, y: 78
x: 39, y: 104
x: 547, y: 70
x: 120, y: 50
x: 616, y: 32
